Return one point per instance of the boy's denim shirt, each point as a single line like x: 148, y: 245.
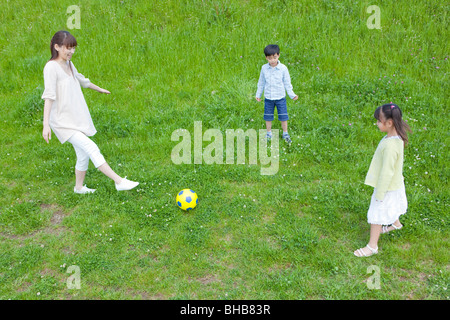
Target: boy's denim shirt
x: 275, y: 82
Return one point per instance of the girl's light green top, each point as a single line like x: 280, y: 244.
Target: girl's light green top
x: 386, y: 169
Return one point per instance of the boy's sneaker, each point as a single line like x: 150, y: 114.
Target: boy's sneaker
x: 287, y: 138
x: 126, y: 184
x: 83, y: 190
x: 269, y: 135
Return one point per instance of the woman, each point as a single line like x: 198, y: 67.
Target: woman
x: 67, y: 115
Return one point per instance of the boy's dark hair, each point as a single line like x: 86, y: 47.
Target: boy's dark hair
x: 392, y: 111
x: 271, y: 49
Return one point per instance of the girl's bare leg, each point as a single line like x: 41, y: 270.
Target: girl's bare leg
x: 375, y: 231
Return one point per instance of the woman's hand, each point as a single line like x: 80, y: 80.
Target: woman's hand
x: 97, y: 88
x: 101, y: 90
x: 47, y: 133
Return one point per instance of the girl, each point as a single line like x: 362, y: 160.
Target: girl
x: 388, y: 201
x: 66, y: 112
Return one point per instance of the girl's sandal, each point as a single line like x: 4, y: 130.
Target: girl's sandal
x: 385, y: 229
x: 361, y: 252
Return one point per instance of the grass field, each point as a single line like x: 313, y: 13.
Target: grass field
x: 290, y: 235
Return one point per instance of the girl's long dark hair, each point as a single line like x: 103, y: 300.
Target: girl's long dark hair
x: 392, y: 111
x: 62, y: 38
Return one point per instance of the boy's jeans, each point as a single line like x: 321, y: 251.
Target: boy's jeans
x: 269, y: 108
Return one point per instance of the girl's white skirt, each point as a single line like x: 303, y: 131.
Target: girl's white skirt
x: 388, y: 211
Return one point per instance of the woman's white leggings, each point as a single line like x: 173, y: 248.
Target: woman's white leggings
x: 86, y: 149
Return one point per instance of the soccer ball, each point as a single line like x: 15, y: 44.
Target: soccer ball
x: 187, y: 199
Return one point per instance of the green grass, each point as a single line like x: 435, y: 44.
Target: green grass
x: 284, y: 236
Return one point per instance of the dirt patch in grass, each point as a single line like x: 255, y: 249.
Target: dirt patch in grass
x: 54, y: 227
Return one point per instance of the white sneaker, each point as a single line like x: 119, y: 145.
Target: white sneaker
x: 126, y: 184
x: 83, y: 190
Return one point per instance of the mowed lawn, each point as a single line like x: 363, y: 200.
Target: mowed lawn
x: 290, y: 235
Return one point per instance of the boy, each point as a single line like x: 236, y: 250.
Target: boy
x: 275, y: 81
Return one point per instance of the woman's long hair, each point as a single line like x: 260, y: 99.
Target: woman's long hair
x: 62, y: 38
